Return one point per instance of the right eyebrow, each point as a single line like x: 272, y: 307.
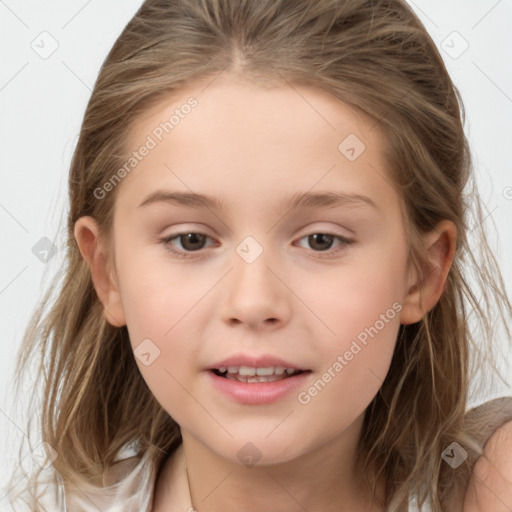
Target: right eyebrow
x: 183, y: 198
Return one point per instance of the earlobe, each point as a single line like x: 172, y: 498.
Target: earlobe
x: 87, y: 236
x: 426, y: 287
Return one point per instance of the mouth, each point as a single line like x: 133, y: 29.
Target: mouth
x: 248, y: 374
x: 256, y: 380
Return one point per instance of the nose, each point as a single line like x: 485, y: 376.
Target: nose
x: 255, y: 294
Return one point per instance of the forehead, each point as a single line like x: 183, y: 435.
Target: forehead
x: 273, y: 112
x: 238, y: 136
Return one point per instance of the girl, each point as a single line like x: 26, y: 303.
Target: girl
x: 266, y: 303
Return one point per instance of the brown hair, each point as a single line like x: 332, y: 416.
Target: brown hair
x: 373, y: 55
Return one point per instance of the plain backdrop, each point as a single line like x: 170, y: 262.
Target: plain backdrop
x: 50, y: 55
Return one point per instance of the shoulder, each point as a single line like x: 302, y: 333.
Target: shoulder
x: 490, y: 485
x: 128, y: 482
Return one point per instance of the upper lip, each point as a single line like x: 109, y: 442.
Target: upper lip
x: 251, y: 361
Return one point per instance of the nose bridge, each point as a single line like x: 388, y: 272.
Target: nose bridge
x: 251, y: 273
x: 255, y: 294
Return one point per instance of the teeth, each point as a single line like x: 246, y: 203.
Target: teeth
x: 256, y: 378
x: 265, y: 371
x: 254, y: 373
x: 246, y: 371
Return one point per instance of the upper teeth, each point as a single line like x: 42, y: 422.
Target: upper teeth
x: 248, y: 371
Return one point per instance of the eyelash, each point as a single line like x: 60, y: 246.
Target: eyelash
x: 189, y: 254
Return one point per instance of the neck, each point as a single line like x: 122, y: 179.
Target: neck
x: 325, y: 478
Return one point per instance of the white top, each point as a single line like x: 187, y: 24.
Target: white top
x: 133, y: 493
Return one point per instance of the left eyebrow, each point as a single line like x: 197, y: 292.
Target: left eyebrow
x: 299, y: 200
x: 327, y: 199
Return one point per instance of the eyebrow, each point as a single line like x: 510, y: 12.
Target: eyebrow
x: 299, y: 200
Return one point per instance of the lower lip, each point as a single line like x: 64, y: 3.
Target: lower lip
x: 257, y: 393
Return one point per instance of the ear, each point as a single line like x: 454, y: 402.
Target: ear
x: 425, y: 290
x: 87, y: 236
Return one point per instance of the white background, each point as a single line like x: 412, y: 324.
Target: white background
x: 42, y: 102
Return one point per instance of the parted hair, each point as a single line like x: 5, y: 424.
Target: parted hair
x: 374, y: 55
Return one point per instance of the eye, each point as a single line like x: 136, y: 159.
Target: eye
x: 190, y: 242
x: 193, y: 242
x: 322, y: 242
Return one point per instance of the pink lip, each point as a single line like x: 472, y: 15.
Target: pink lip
x: 257, y: 393
x: 263, y: 361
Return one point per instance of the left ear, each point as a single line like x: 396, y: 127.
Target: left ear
x: 425, y: 290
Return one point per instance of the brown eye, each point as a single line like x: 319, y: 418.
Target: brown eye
x: 192, y: 241
x: 189, y: 242
x: 320, y: 241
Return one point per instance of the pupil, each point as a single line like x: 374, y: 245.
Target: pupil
x: 313, y: 240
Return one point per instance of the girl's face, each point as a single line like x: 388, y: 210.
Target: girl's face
x: 297, y: 251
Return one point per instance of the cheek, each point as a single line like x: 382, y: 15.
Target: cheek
x: 162, y: 318
x: 356, y: 295
x: 157, y: 297
x: 361, y: 307
x: 355, y: 361
x: 165, y: 339
x: 169, y: 316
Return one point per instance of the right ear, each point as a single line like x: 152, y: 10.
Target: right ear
x: 87, y: 236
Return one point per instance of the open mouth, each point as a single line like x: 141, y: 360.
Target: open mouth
x: 248, y: 375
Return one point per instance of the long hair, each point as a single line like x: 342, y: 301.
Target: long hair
x: 376, y: 56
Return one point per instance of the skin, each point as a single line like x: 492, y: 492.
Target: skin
x: 490, y: 486
x: 253, y: 148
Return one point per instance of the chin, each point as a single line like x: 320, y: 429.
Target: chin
x: 259, y: 451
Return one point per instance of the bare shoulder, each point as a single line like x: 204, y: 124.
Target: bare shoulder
x: 490, y: 486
